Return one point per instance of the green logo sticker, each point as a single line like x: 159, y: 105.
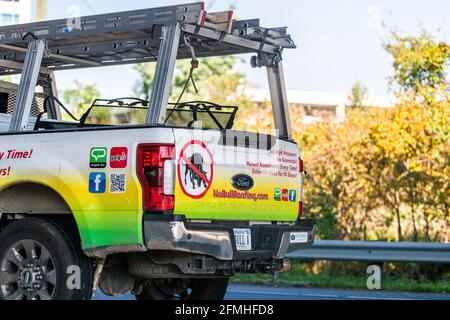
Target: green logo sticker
x: 98, y: 157
x: 277, y: 194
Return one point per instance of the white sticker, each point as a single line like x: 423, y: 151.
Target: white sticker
x: 118, y: 183
x: 243, y: 239
x: 195, y: 169
x: 299, y: 237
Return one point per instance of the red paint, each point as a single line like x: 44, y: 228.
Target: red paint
x: 184, y: 158
x: 285, y: 195
x: 5, y: 172
x: 118, y: 158
x: 300, y: 165
x: 300, y: 210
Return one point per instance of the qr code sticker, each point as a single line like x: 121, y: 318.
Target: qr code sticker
x: 118, y: 183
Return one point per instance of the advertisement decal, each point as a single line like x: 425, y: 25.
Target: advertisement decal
x: 118, y: 158
x: 97, y: 157
x: 195, y: 169
x: 216, y: 180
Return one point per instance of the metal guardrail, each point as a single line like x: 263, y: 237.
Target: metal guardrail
x: 375, y: 251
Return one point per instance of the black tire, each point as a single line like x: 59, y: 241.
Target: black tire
x: 184, y: 289
x: 45, y: 254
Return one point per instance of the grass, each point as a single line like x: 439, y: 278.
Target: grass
x: 298, y: 277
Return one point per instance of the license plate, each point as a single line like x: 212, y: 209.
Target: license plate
x: 243, y: 239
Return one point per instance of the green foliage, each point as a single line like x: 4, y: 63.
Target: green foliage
x: 420, y: 65
x: 216, y: 81
x: 381, y: 172
x: 358, y: 96
x: 384, y: 173
x: 338, y: 275
x: 214, y: 78
x: 80, y: 98
x: 321, y: 207
x: 143, y: 87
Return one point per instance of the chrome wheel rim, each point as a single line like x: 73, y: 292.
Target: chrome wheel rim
x: 27, y: 272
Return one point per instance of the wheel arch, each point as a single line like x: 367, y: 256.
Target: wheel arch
x: 32, y: 198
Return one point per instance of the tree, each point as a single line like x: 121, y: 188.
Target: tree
x: 383, y: 173
x: 216, y: 80
x: 80, y: 98
x: 213, y: 76
x: 420, y: 65
x: 358, y: 96
x: 143, y: 87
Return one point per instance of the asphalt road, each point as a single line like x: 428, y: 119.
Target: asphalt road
x: 247, y: 292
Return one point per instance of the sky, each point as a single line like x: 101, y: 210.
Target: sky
x: 339, y: 42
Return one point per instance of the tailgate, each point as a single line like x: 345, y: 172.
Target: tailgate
x: 236, y: 176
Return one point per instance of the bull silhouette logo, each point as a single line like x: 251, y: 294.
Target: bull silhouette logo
x: 195, y: 169
x: 196, y: 177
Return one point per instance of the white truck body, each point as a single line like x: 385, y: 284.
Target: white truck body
x: 157, y: 207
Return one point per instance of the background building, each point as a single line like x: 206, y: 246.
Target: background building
x: 315, y: 106
x: 15, y: 11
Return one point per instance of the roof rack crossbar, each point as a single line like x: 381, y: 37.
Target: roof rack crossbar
x: 113, y: 22
x: 12, y: 67
x: 55, y: 56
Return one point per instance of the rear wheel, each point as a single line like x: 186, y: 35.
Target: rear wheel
x: 38, y: 261
x: 184, y: 289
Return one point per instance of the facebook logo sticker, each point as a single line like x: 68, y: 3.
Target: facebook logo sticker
x: 292, y: 195
x: 97, y: 182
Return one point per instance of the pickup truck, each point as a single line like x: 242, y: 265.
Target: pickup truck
x: 165, y: 201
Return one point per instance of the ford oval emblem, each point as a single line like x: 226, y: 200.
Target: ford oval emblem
x: 242, y: 182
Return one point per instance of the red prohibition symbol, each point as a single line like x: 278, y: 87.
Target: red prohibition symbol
x: 195, y: 169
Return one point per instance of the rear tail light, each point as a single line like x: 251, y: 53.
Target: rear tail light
x: 156, y: 175
x: 300, y: 209
x: 300, y: 203
x: 300, y: 165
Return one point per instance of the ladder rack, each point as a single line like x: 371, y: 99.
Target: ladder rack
x: 162, y: 34
x: 135, y: 37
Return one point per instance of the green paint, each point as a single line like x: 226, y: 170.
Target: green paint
x: 277, y: 194
x: 98, y: 157
x: 108, y: 228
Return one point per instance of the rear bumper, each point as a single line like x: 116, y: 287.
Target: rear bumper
x: 217, y: 239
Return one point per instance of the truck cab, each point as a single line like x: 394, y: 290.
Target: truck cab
x: 162, y: 199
